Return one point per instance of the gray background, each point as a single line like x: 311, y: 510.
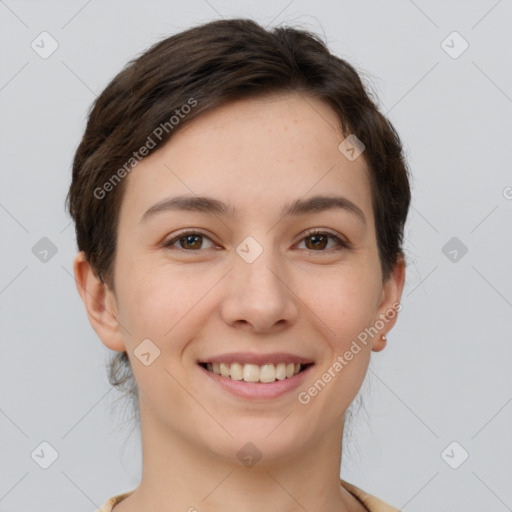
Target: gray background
x: 445, y: 375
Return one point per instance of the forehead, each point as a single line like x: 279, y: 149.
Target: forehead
x: 257, y: 154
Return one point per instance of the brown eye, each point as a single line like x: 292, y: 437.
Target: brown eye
x: 189, y: 241
x: 317, y: 241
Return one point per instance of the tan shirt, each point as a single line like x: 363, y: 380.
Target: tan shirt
x: 372, y: 503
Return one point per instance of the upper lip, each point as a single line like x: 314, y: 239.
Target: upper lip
x: 258, y: 359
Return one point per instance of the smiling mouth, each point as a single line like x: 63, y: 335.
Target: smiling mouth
x: 265, y: 373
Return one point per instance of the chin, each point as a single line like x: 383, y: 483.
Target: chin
x: 267, y: 441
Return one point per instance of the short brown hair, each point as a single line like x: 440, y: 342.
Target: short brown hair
x: 213, y: 64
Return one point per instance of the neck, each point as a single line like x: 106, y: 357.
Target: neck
x: 306, y: 480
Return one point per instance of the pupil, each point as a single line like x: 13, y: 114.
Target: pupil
x: 189, y: 239
x: 316, y: 237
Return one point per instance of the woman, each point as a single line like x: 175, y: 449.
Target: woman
x: 239, y: 204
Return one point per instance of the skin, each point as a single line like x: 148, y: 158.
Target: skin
x: 256, y: 154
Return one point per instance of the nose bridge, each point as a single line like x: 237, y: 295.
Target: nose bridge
x: 258, y: 267
x: 257, y: 293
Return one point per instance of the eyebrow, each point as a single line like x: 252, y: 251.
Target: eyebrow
x: 203, y: 204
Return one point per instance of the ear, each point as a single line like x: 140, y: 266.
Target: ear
x: 100, y: 304
x: 387, y: 312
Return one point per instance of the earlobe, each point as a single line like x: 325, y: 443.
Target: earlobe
x: 389, y: 306
x: 100, y: 304
x: 379, y: 343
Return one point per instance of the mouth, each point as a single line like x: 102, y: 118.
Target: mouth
x: 262, y: 374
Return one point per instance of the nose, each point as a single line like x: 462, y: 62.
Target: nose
x: 259, y: 296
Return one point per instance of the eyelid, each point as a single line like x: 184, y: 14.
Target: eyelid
x: 342, y: 242
x: 188, y: 231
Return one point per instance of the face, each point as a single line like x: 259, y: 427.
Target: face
x: 259, y: 286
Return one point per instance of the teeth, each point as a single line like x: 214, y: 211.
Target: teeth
x: 281, y: 371
x: 236, y: 372
x: 253, y: 372
x: 224, y: 370
x: 267, y: 373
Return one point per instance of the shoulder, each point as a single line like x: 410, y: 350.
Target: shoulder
x: 114, y: 500
x: 372, y: 503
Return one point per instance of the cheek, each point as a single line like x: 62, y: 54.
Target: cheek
x: 164, y: 309
x: 161, y: 305
x: 345, y: 301
x: 343, y: 308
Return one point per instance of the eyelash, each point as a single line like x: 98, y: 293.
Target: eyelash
x: 342, y: 244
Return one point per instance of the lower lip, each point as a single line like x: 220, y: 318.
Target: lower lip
x: 258, y: 390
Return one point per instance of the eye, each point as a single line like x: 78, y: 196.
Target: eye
x: 319, y: 240
x: 188, y: 240
x: 193, y: 241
